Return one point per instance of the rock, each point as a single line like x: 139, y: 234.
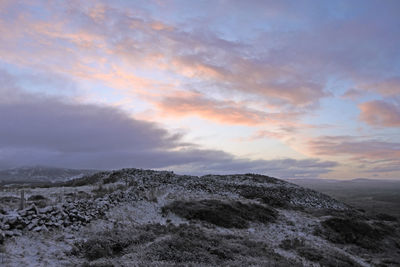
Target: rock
x: 9, y: 233
x: 23, y: 213
x: 13, y: 218
x: 54, y: 212
x: 32, y: 209
x: 31, y: 226
x: 46, y: 209
x: 35, y: 221
x: 6, y: 226
x: 37, y: 229
x: 17, y: 232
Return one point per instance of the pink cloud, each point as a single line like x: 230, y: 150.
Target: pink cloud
x: 387, y: 87
x: 355, y: 147
x: 226, y: 112
x: 380, y: 113
x: 370, y: 155
x: 141, y: 42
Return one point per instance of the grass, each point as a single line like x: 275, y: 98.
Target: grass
x: 174, y: 245
x: 232, y: 214
x: 359, y: 232
x: 326, y: 258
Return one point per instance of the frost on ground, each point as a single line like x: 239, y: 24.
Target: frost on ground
x: 137, y: 217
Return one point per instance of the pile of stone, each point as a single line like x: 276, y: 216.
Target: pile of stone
x: 73, y: 214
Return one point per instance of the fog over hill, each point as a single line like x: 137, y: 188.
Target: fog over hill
x: 375, y: 195
x: 40, y: 174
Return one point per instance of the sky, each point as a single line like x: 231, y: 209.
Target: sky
x: 290, y: 89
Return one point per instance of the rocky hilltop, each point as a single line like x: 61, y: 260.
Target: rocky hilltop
x: 135, y: 217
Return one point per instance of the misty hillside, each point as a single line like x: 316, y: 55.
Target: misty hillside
x: 368, y: 194
x: 40, y: 174
x: 135, y: 217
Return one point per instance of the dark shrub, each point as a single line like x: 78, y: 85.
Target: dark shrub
x: 278, y: 197
x: 37, y: 197
x: 107, y: 244
x: 111, y: 179
x: 258, y: 178
x: 386, y: 217
x: 183, y: 244
x: 225, y: 214
x: 351, y: 231
x: 189, y: 244
x: 113, y: 242
x: 288, y: 244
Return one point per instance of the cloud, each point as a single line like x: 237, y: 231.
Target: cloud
x: 282, y: 134
x: 387, y: 87
x: 281, y: 168
x: 38, y: 129
x: 271, y: 67
x: 280, y: 67
x: 226, y: 112
x: 110, y: 38
x: 356, y: 147
x: 380, y: 113
x: 353, y: 94
x: 371, y: 155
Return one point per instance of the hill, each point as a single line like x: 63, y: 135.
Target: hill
x: 40, y: 174
x: 135, y: 217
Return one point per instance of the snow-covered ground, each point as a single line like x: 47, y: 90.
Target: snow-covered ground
x: 126, y: 219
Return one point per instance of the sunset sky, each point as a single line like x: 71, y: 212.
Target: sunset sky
x: 291, y: 89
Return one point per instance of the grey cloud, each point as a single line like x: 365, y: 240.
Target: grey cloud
x: 49, y: 131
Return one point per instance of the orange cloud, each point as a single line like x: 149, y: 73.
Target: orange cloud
x: 226, y: 112
x: 380, y: 113
x: 159, y: 26
x: 151, y: 45
x: 277, y: 84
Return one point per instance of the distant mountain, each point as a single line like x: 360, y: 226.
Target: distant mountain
x: 40, y: 174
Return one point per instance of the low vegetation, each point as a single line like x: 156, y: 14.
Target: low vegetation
x: 359, y: 232
x: 317, y: 255
x: 276, y: 197
x: 182, y: 244
x: 348, y: 231
x: 234, y: 214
